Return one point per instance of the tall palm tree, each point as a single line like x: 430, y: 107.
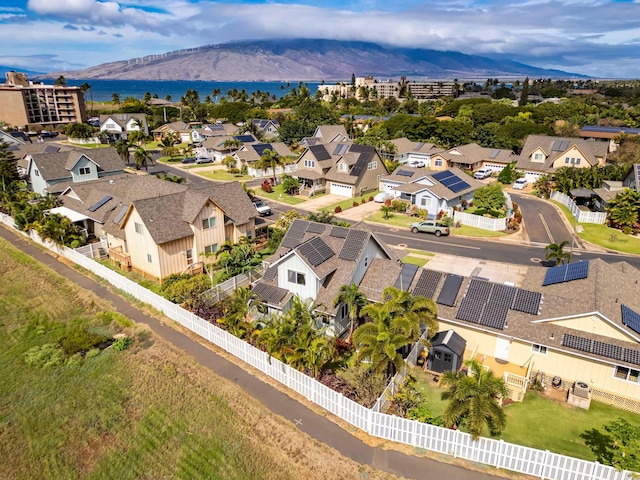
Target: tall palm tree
x: 355, y: 300
x: 122, y: 147
x: 474, y: 399
x: 413, y: 311
x: 115, y: 98
x: 142, y: 158
x: 236, y: 316
x: 270, y: 158
x: 556, y: 252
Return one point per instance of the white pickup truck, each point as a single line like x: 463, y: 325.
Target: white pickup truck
x: 262, y: 208
x: 483, y: 173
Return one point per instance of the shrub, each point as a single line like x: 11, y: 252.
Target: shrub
x: 77, y: 339
x: 371, y: 198
x: 401, y: 207
x: 48, y: 355
x: 266, y: 186
x: 364, y: 200
x: 338, y: 209
x: 122, y: 344
x: 355, y: 204
x: 387, y: 202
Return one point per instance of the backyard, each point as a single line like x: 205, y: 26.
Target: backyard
x: 278, y: 194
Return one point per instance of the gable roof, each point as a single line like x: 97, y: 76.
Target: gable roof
x: 57, y: 165
x: 173, y: 127
x: 331, y: 133
x: 555, y: 147
x: 404, y: 145
x: 251, y: 152
x: 473, y: 153
x: 217, y: 129
x: 356, y: 157
x: 123, y: 118
x: 415, y: 182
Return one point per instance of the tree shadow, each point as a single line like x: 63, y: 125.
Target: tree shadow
x: 600, y: 444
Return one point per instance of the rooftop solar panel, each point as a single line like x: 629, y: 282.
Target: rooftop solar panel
x: 270, y: 274
x: 601, y: 348
x: 564, y: 144
x: 245, y: 138
x: 353, y: 245
x: 360, y: 164
x: 405, y: 278
x: 577, y: 270
x: 319, y: 152
x: 404, y: 173
x: 427, y: 283
x: 555, y: 275
x: 261, y: 147
x: 555, y: 146
x: 503, y: 295
x: 340, y: 149
x: 450, y: 290
x: 419, y: 146
x: 495, y: 153
x: 120, y: 215
x: 631, y: 319
x: 527, y: 301
x: 339, y: 232
x: 459, y: 186
x: 316, y: 227
x: 494, y: 315
x: 294, y: 235
x: 99, y: 204
x: 269, y: 293
x: 442, y: 175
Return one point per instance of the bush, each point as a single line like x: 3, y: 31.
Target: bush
x: 48, y: 355
x: 338, y: 209
x: 364, y: 200
x: 371, y: 198
x: 77, y: 339
x: 355, y: 204
x: 122, y: 344
x: 266, y: 186
x: 387, y: 202
x: 179, y: 288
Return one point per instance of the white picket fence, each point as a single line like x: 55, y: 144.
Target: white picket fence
x: 226, y: 288
x: 581, y: 216
x: 497, y: 453
x: 493, y: 224
x: 92, y: 250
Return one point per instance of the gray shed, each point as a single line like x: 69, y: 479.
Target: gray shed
x: 447, y: 351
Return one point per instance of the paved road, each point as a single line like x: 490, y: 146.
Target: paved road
x: 317, y: 426
x: 544, y: 224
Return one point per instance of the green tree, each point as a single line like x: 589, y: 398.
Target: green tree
x: 229, y: 162
x: 80, y: 131
x: 59, y: 230
x: 624, y: 451
x: 354, y: 300
x: 524, y: 95
x: 122, y: 147
x: 270, y: 159
x: 242, y: 304
x: 474, y: 399
x: 506, y: 174
x: 290, y: 184
x: 8, y: 168
x: 115, y: 98
x: 556, y: 252
x: 61, y: 80
x: 624, y: 210
x: 142, y: 158
x: 490, y: 197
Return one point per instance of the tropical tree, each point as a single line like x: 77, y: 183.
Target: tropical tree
x: 624, y: 210
x: 241, y: 305
x: 354, y: 299
x: 115, y: 98
x: 79, y: 130
x: 229, y: 162
x: 59, y: 230
x: 61, y: 80
x: 290, y: 184
x: 142, y: 158
x: 416, y: 312
x: 556, y: 252
x: 122, y: 147
x: 490, y: 197
x: 270, y: 159
x: 474, y: 399
x: 8, y: 168
x: 232, y: 144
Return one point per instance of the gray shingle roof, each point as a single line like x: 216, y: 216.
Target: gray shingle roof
x: 410, y: 185
x: 473, y: 153
x: 122, y: 118
x: 55, y: 166
x: 591, y: 149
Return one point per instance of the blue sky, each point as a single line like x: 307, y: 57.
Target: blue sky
x: 593, y: 37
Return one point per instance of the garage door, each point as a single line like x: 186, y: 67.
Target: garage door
x: 340, y: 189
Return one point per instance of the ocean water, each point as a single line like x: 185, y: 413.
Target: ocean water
x: 103, y: 90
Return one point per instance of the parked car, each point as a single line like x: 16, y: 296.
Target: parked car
x: 262, y: 208
x: 203, y: 160
x: 189, y: 160
x: 48, y: 134
x: 430, y: 226
x: 416, y: 163
x: 483, y: 173
x: 383, y: 197
x: 520, y: 183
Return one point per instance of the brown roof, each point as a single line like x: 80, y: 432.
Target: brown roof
x: 591, y: 149
x: 404, y: 145
x: 56, y: 166
x: 474, y: 153
x: 122, y: 118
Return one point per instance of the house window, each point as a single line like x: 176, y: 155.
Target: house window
x: 36, y: 172
x: 309, y: 163
x: 342, y: 167
x: 189, y: 256
x: 372, y: 165
x: 571, y: 161
x: 628, y: 374
x: 541, y: 349
x: 296, y: 277
x: 84, y: 171
x: 437, y: 162
x: 211, y: 249
x: 149, y: 257
x: 139, y: 228
x: 537, y: 157
x: 426, y: 201
x: 209, y: 223
x: 448, y: 358
x: 366, y: 261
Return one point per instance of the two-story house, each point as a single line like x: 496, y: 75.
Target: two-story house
x: 431, y: 190
x: 543, y: 154
x: 413, y: 153
x: 53, y: 172
x: 183, y: 132
x: 313, y: 261
x: 472, y: 156
x: 326, y: 134
x: 250, y: 153
x: 218, y: 147
x: 121, y: 125
x: 168, y: 234
x: 265, y: 129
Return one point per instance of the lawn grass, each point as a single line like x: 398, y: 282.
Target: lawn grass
x: 395, y: 219
x: 467, y: 231
x: 602, y: 235
x: 348, y: 203
x: 539, y: 422
x: 224, y: 175
x: 279, y: 195
x: 421, y: 252
x: 421, y: 262
x: 147, y: 412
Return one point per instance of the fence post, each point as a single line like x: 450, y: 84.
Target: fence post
x: 500, y: 455
x: 594, y: 467
x: 544, y: 463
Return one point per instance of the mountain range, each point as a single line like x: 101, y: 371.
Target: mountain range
x: 307, y: 59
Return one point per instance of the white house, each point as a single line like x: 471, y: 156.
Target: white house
x: 121, y: 125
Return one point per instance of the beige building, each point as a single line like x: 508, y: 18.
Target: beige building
x: 372, y: 88
x: 24, y: 102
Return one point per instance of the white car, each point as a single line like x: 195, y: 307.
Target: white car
x: 483, y: 173
x: 520, y: 183
x: 383, y: 197
x: 416, y: 163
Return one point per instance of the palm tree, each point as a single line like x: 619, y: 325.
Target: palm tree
x: 474, y: 398
x: 624, y: 209
x: 122, y: 147
x: 115, y: 98
x: 354, y: 300
x: 556, y: 251
x: 236, y: 316
x: 414, y: 311
x: 142, y: 158
x: 270, y: 158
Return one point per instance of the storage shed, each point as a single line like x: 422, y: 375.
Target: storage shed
x: 447, y: 350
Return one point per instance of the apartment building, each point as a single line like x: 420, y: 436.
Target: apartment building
x: 366, y: 86
x: 24, y: 102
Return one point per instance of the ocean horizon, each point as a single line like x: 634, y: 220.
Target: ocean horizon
x: 103, y: 90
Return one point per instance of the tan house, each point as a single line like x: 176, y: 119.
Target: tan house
x: 413, y: 153
x: 250, y: 153
x: 172, y: 233
x: 543, y: 154
x: 326, y: 134
x: 344, y: 169
x: 472, y: 156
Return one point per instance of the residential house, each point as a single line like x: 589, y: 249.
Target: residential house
x: 433, y: 191
x: 184, y: 132
x: 543, y: 154
x: 266, y: 129
x: 249, y: 154
x: 472, y: 156
x: 313, y: 261
x: 610, y: 188
x: 326, y: 134
x: 570, y: 325
x: 170, y: 233
x: 217, y: 148
x: 607, y: 134
x: 408, y: 151
x: 52, y: 172
x: 121, y: 125
x: 632, y: 180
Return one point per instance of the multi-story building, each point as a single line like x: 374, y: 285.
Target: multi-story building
x: 366, y: 86
x: 24, y: 102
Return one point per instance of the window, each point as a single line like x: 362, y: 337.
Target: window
x: 296, y: 277
x: 448, y: 358
x: 538, y: 157
x: 209, y: 223
x: 211, y: 249
x: 149, y: 257
x: 84, y: 171
x: 541, y: 349
x: 139, y: 228
x: 437, y: 162
x: 36, y: 172
x: 342, y: 167
x: 628, y: 374
x: 309, y: 163
x: 366, y: 261
x: 372, y: 165
x: 189, y: 256
x: 572, y: 161
x: 426, y: 201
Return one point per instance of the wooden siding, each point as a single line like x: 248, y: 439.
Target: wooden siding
x: 594, y: 324
x: 139, y: 245
x: 295, y: 263
x: 572, y: 153
x: 209, y: 236
x: 84, y: 162
x: 173, y: 256
x: 371, y: 250
x: 369, y: 180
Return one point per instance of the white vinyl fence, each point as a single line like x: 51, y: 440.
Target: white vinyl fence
x: 581, y: 216
x: 95, y: 250
x: 493, y: 224
x: 226, y: 288
x: 497, y: 453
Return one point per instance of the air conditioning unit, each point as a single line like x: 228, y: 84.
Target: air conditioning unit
x: 581, y: 389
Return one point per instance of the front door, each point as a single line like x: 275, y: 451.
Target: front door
x: 502, y: 348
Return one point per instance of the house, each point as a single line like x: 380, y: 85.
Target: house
x: 543, y: 154
x: 121, y: 125
x: 610, y: 188
x: 218, y: 129
x: 431, y: 190
x: 607, y: 134
x: 250, y: 153
x: 169, y: 234
x: 344, y: 169
x: 472, y: 156
x: 267, y: 129
x: 632, y: 180
x: 576, y: 324
x: 219, y: 147
x: 326, y: 134
x: 51, y: 172
x: 184, y: 132
x: 313, y: 261
x: 408, y: 151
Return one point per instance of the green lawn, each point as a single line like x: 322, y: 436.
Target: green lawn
x: 421, y: 252
x: 421, y: 262
x: 539, y: 422
x: 279, y: 195
x: 395, y: 219
x: 224, y: 175
x: 348, y: 203
x: 467, y: 231
x: 604, y: 236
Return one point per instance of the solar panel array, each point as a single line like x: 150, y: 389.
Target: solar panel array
x: 601, y: 348
x: 316, y: 251
x: 566, y: 273
x: 261, y: 147
x: 269, y: 293
x: 339, y: 232
x: 419, y: 146
x: 245, y: 138
x: 97, y: 205
x: 316, y: 228
x: 527, y: 301
x: 403, y: 282
x: 560, y: 145
x: 427, y: 283
x: 51, y: 149
x: 451, y: 181
x: 294, y: 235
x: 270, y: 274
x: 359, y: 166
x: 120, y: 215
x: 450, y: 290
x: 353, y: 245
x: 215, y: 127
x: 631, y: 319
x: 340, y: 149
x: 404, y: 173
x: 495, y: 153
x: 320, y: 152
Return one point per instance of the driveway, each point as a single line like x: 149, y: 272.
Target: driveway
x: 543, y: 222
